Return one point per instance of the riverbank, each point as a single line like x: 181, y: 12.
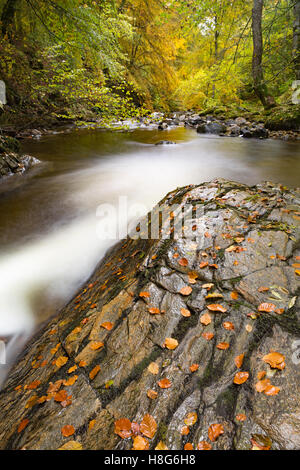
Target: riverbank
x: 178, y: 334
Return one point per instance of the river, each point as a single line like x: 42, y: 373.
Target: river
x: 48, y: 240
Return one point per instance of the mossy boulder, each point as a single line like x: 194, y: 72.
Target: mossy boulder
x: 284, y: 118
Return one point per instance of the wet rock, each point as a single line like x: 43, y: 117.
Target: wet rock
x: 240, y: 121
x: 165, y: 142
x: 238, y: 240
x: 216, y: 128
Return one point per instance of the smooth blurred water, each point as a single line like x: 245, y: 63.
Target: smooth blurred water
x: 48, y: 240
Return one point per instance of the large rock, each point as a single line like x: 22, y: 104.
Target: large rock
x: 245, y: 243
x: 216, y: 128
x: 12, y: 162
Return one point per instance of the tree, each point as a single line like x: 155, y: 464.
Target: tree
x: 296, y: 39
x: 7, y: 16
x: 260, y: 86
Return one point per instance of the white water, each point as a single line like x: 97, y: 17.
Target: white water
x: 54, y: 265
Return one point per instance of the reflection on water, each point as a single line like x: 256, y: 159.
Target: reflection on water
x: 48, y: 243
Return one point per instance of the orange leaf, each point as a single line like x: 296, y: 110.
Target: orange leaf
x: 72, y: 369
x: 241, y: 378
x: 228, y: 325
x: 140, y: 443
x: 92, y: 424
x: 107, y: 325
x: 185, y: 431
x: 70, y: 381
x: 34, y: 385
x: 94, y: 372
x: 241, y: 417
x: 148, y: 426
x: 275, y: 360
x: 164, y: 383
x: 23, y: 425
x: 239, y: 360
x: 204, y: 445
x: 183, y: 262
x: 261, y: 374
x: 214, y: 431
x: 262, y: 385
x: 187, y: 290
x: 234, y: 295
x: 205, y: 319
x: 153, y: 368
x: 95, y: 345
x: 267, y: 308
x: 152, y: 394
x: 204, y: 264
x: 123, y: 428
x: 208, y: 336
x: 144, y: 294
x: 194, y: 367
x: 154, y: 311
x: 263, y: 289
x: 61, y: 396
x: 61, y: 361
x: 68, y: 430
x: 223, y: 346
x: 271, y: 390
x: 188, y: 446
x: 185, y: 312
x: 191, y: 419
x: 217, y: 308
x: 161, y: 446
x: 171, y: 343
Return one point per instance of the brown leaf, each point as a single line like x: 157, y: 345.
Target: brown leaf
x: 148, y: 426
x: 241, y: 377
x: 68, y: 430
x: 275, y: 360
x: 183, y: 262
x: 206, y: 319
x: 217, y: 308
x: 261, y: 442
x: 239, y: 360
x: 164, y: 383
x: 153, y: 368
x: 214, y: 431
x: 187, y: 290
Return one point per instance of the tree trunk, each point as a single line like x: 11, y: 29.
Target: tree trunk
x: 296, y: 39
x: 260, y: 87
x: 7, y: 16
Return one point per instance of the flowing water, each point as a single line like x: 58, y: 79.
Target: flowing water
x: 48, y: 239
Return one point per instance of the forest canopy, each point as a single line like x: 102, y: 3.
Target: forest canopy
x: 71, y: 59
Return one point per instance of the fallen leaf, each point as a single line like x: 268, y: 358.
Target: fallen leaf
x: 187, y: 290
x: 261, y: 374
x: 164, y: 383
x: 208, y: 286
x: 107, y: 325
x: 208, y: 336
x: 161, y: 446
x: 234, y: 295
x: 223, y: 346
x: 239, y: 360
x: 263, y: 289
x: 152, y: 394
x: 260, y: 442
x: 95, y: 345
x: 171, y: 343
x: 262, y: 385
x: 71, y: 445
x: 154, y: 311
x: 144, y: 294
x: 204, y: 445
x: 140, y: 443
x: 188, y: 446
x: 61, y: 396
x: 206, y: 319
x: 34, y: 385
x: 241, y: 377
x: 70, y: 381
x: 183, y: 262
x: 191, y: 419
x: 92, y: 424
x: 153, y: 368
x: 94, y: 372
x: 214, y: 295
x: 61, y: 361
x: 72, y: 369
x: 214, y: 431
x: 123, y: 428
x: 228, y: 325
x: 271, y: 390
x: 185, y: 312
x: 217, y: 308
x: 23, y: 425
x: 194, y: 367
x: 275, y: 360
x: 185, y: 431
x: 68, y: 430
x: 203, y: 265
x: 241, y: 417
x: 148, y: 426
x: 267, y: 308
